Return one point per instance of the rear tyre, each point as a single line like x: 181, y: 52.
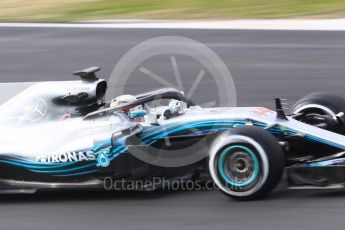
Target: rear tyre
x: 247, y: 163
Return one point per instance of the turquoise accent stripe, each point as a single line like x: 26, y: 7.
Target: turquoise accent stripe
x: 67, y: 170
x: 195, y: 126
x: 326, y: 163
x: 188, y: 124
x: 319, y: 140
x: 77, y: 174
x: 34, y: 166
x: 35, y: 163
x: 208, y: 131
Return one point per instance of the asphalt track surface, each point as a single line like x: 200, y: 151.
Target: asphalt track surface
x: 264, y: 64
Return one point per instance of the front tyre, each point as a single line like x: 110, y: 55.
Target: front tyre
x: 246, y: 163
x: 320, y: 103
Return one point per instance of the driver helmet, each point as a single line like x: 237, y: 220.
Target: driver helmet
x: 122, y: 100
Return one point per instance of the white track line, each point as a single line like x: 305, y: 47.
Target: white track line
x: 288, y: 24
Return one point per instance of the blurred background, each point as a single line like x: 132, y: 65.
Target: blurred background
x: 74, y: 10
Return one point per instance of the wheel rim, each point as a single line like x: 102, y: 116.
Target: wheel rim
x: 238, y: 166
x: 245, y: 141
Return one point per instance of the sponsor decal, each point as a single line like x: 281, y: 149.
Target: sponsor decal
x: 66, y: 157
x: 283, y: 128
x: 77, y: 89
x: 262, y: 112
x: 101, y: 156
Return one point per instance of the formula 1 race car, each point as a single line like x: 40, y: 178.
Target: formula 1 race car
x: 60, y: 135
